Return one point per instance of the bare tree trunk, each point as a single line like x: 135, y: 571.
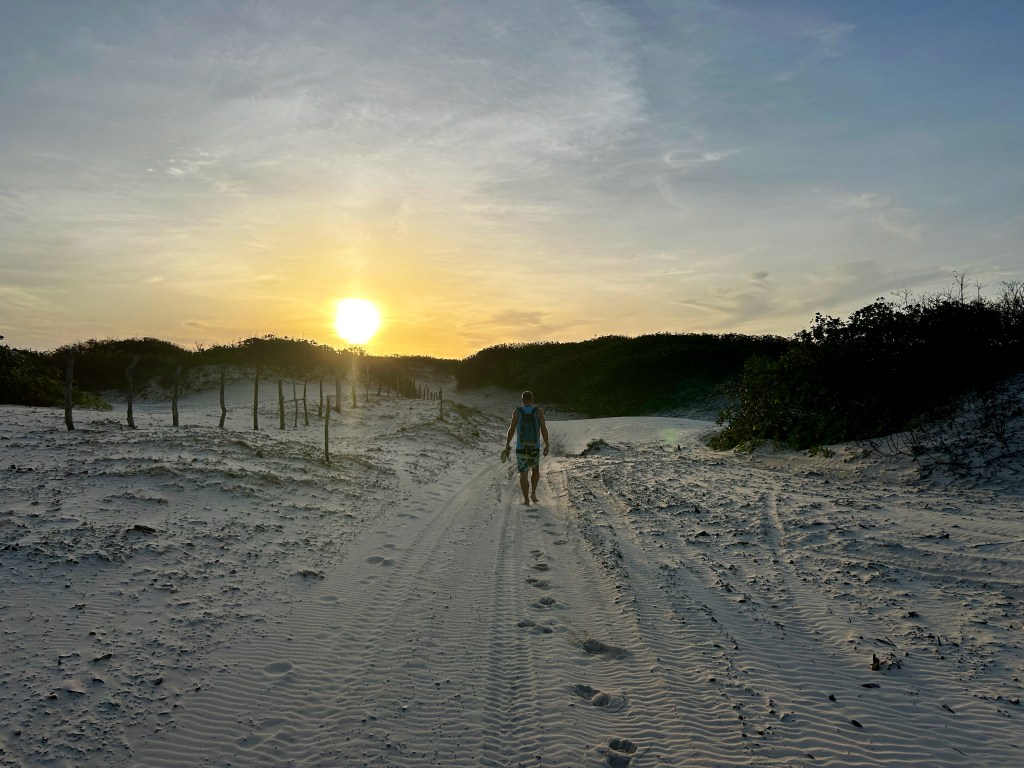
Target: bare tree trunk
x: 131, y: 390
x: 223, y: 408
x: 353, y: 391
x: 256, y: 402
x: 337, y: 391
x: 280, y: 401
x: 440, y: 404
x: 69, y: 383
x: 174, y: 396
x: 327, y: 432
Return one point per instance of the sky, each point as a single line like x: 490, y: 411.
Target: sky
x: 499, y: 172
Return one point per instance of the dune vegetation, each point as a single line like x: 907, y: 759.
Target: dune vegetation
x: 893, y: 366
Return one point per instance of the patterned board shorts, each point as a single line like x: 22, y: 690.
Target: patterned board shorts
x: 527, y: 458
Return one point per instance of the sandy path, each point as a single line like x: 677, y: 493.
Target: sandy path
x: 637, y: 616
x: 662, y: 606
x: 468, y: 630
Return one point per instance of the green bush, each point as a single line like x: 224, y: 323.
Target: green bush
x: 882, y: 370
x: 26, y: 378
x: 30, y: 378
x: 617, y: 375
x: 100, y: 365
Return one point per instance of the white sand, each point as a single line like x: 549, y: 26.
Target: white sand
x: 198, y: 597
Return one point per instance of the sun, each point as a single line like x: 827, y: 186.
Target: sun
x: 357, y: 320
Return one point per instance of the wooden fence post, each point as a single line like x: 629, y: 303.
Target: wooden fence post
x: 131, y: 390
x: 280, y: 401
x: 174, y: 396
x: 69, y: 383
x: 223, y: 407
x: 256, y: 402
x: 305, y: 403
x: 327, y: 431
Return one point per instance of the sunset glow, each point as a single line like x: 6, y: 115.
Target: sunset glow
x: 500, y: 172
x: 357, y: 320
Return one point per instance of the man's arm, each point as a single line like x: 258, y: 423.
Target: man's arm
x: 543, y: 429
x: 512, y: 428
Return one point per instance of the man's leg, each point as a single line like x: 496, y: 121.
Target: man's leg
x: 524, y: 483
x: 534, y: 479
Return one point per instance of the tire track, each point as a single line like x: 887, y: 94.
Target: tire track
x: 350, y: 646
x: 681, y: 711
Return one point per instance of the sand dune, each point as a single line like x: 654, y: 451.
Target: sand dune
x: 202, y: 597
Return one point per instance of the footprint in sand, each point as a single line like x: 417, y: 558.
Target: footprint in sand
x: 537, y: 629
x: 408, y: 516
x: 545, y: 602
x: 541, y: 567
x: 278, y: 668
x: 620, y: 752
x: 539, y: 583
x: 597, y: 648
x: 378, y: 560
x: 598, y: 698
x: 536, y: 554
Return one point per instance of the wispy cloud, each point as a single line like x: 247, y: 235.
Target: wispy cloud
x: 821, y: 43
x: 751, y: 296
x: 830, y: 39
x: 868, y: 201
x: 685, y: 161
x: 886, y: 216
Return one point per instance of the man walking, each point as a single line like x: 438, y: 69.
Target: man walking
x: 529, y: 427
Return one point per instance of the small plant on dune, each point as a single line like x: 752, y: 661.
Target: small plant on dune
x: 982, y: 431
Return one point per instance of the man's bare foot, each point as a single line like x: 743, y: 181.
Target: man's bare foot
x: 526, y: 502
x: 535, y: 499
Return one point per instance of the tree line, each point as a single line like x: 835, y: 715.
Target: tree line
x: 619, y: 375
x: 892, y: 366
x: 28, y: 377
x: 608, y: 376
